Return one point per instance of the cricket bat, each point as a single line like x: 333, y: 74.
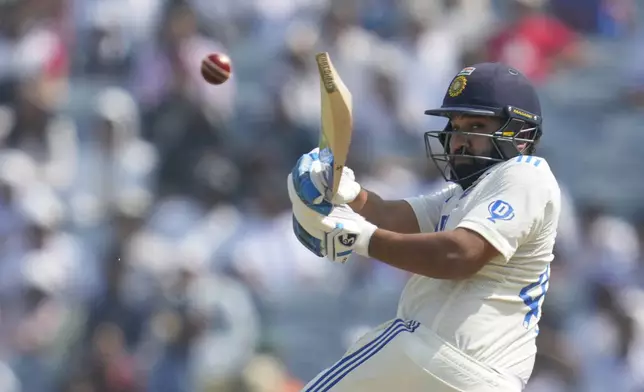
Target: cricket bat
x: 336, y: 121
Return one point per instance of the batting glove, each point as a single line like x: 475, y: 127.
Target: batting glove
x: 310, y: 180
x: 335, y: 235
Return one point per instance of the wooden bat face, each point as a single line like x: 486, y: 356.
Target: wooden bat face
x: 336, y: 121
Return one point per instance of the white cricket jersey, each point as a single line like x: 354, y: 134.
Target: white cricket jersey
x: 492, y: 316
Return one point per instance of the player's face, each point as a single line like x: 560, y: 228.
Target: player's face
x: 467, y: 144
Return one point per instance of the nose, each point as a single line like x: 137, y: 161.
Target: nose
x: 457, y: 141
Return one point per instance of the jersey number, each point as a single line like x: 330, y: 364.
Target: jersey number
x: 533, y: 296
x: 440, y: 226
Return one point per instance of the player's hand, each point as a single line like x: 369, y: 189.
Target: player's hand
x: 310, y: 179
x: 335, y: 235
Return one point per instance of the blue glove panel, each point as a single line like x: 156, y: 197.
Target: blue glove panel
x: 311, y: 243
x: 304, y: 187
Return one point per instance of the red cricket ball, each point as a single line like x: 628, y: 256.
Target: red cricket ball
x: 215, y: 68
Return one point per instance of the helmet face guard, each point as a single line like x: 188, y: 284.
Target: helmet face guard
x: 516, y: 136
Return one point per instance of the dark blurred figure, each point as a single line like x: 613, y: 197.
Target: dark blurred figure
x: 112, y: 368
x: 112, y: 331
x: 107, y: 367
x: 188, y: 327
x: 189, y: 138
x: 46, y: 331
x: 608, y: 304
x: 187, y: 142
x: 113, y: 307
x: 32, y: 114
x: 177, y: 327
x: 277, y: 142
x: 107, y: 52
x: 33, y: 340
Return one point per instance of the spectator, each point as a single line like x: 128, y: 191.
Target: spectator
x: 534, y: 42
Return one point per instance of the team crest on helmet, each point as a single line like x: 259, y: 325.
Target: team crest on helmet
x: 457, y: 86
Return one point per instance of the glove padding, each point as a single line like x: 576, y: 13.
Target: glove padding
x: 336, y: 235
x: 310, y: 180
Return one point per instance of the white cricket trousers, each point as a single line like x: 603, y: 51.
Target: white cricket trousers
x: 402, y: 356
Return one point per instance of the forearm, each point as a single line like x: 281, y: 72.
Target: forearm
x: 435, y: 255
x: 392, y: 215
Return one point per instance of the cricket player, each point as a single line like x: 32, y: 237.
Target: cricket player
x: 479, y: 249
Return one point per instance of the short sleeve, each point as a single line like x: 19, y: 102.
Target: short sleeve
x: 427, y: 208
x: 510, y: 205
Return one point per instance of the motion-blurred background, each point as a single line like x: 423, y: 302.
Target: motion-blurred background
x: 145, y: 239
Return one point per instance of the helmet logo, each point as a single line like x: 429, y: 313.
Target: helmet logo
x: 467, y: 71
x: 457, y: 86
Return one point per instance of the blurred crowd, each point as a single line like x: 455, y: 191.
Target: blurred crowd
x: 145, y: 234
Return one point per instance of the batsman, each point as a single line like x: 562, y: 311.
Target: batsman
x: 479, y: 250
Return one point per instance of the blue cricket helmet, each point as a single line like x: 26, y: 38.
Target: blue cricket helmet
x: 492, y: 90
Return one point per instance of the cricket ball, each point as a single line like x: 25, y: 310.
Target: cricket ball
x: 215, y: 68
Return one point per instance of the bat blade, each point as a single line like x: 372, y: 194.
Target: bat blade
x: 336, y: 121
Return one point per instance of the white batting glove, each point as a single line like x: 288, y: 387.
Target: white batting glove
x: 336, y: 235
x: 310, y: 179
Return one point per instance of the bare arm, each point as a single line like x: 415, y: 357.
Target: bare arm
x: 393, y: 215
x: 526, y: 190
x: 453, y: 254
